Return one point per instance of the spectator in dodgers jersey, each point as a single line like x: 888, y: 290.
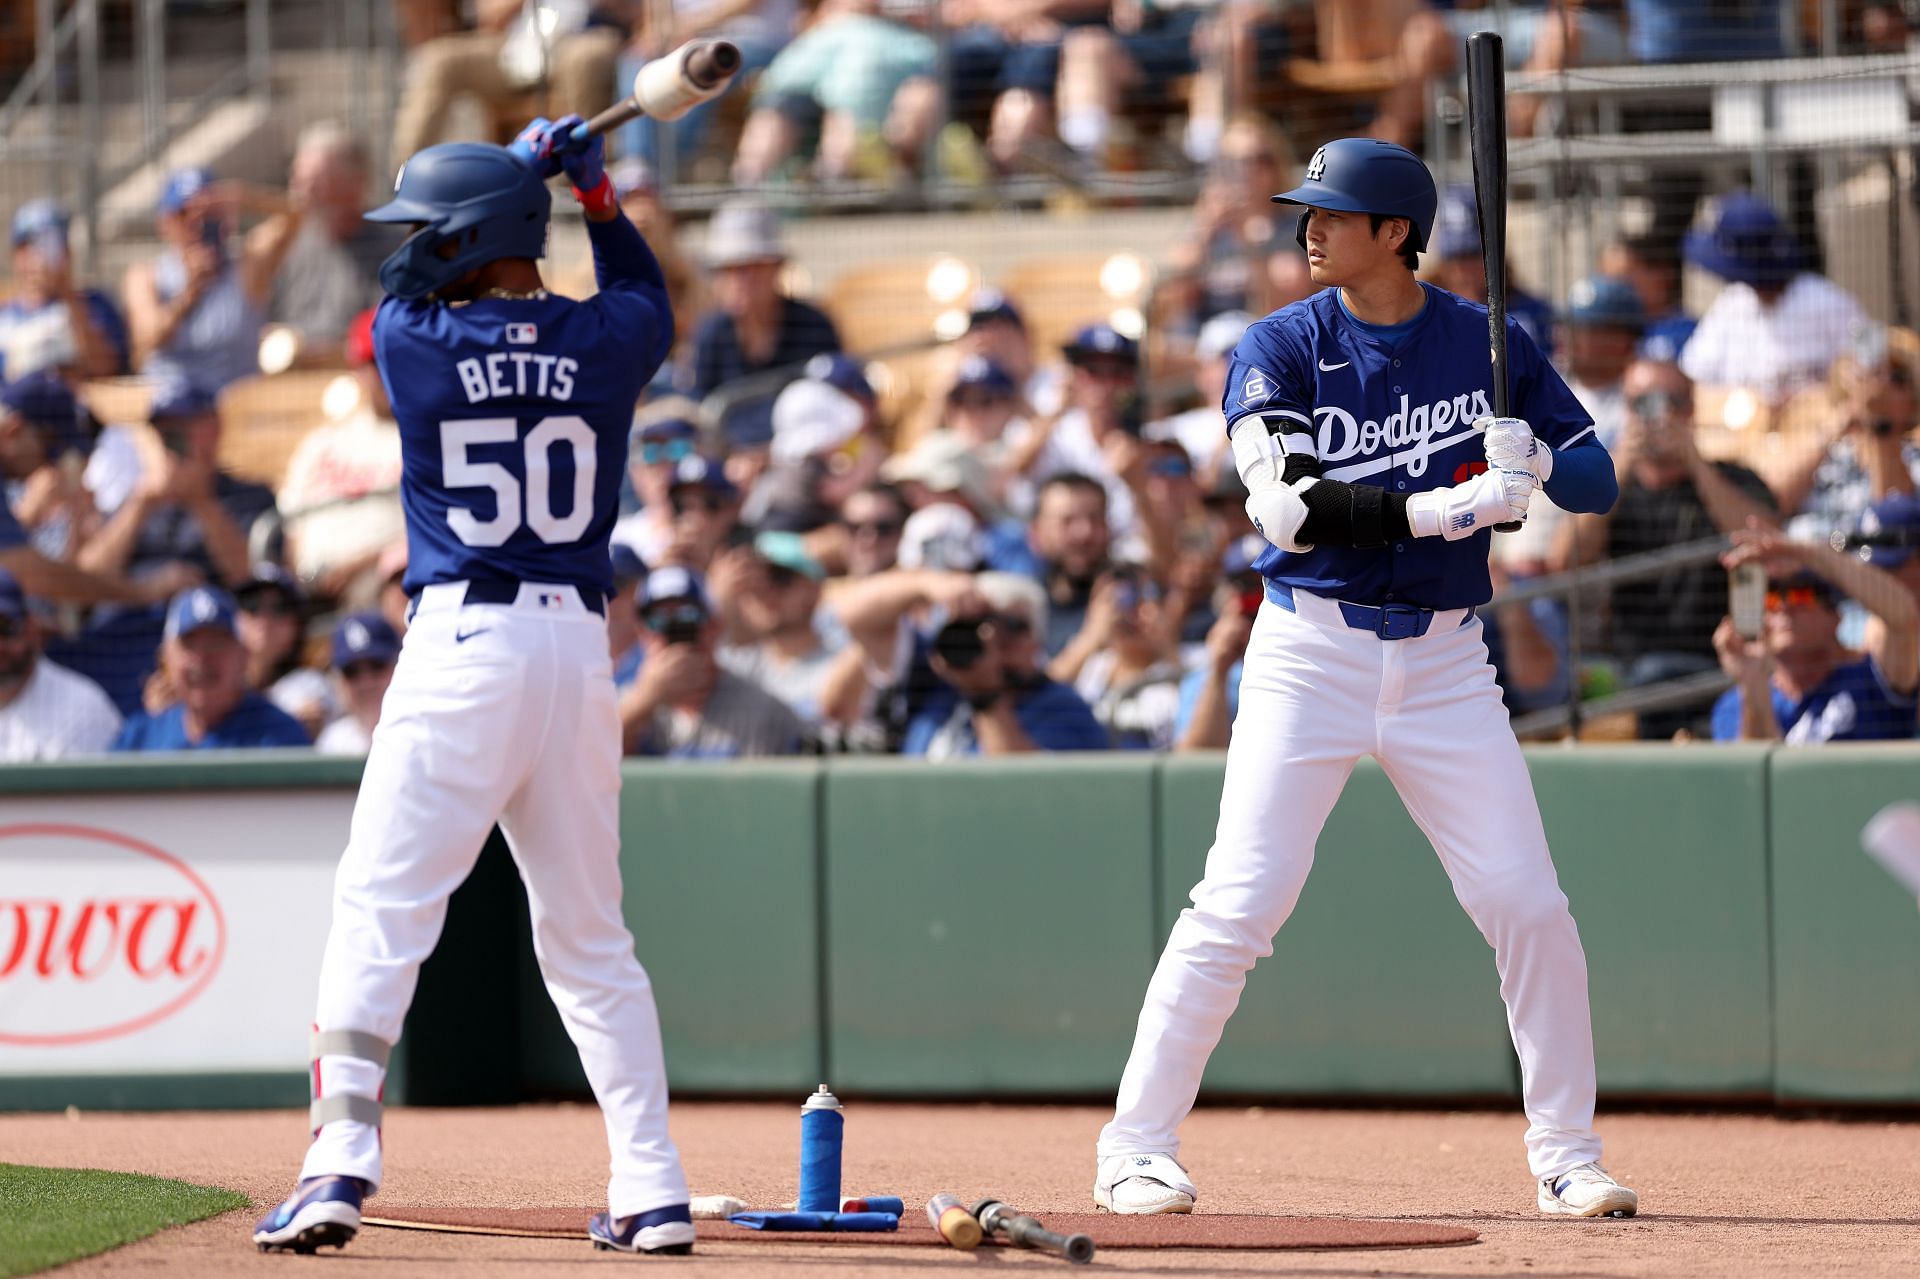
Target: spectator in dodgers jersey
x: 365, y: 649
x: 46, y: 711
x: 44, y: 294
x: 205, y: 663
x: 1796, y: 683
x: 685, y: 705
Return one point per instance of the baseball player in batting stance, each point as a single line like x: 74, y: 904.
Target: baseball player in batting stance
x: 1360, y: 421
x: 514, y: 408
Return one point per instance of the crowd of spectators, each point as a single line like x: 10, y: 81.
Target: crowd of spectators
x: 1056, y: 558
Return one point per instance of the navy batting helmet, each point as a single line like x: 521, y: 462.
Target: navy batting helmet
x: 1364, y: 175
x: 471, y: 194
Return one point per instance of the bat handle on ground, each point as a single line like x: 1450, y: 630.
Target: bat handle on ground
x: 956, y: 1225
x: 1025, y: 1232
x: 667, y: 88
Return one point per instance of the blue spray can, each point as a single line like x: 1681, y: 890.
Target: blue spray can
x: 821, y: 1127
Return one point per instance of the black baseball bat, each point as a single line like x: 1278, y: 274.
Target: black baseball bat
x: 1025, y: 1232
x: 1487, y: 133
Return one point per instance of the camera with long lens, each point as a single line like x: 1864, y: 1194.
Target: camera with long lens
x: 961, y: 642
x: 676, y: 622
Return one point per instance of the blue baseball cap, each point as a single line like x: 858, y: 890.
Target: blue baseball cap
x: 13, y: 600
x: 1101, y: 340
x: 665, y: 428
x: 37, y: 218
x: 44, y: 400
x: 702, y: 472
x: 364, y: 637
x: 180, y: 398
x: 1604, y: 302
x: 268, y: 576
x: 986, y: 305
x: 672, y: 582
x: 627, y: 564
x: 1890, y: 530
x: 842, y: 371
x: 182, y: 185
x: 1747, y: 243
x: 978, y: 370
x: 198, y: 608
x: 1456, y: 224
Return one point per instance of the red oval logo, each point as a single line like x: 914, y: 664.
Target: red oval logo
x: 101, y: 935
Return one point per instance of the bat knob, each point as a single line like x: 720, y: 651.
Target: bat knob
x: 712, y: 62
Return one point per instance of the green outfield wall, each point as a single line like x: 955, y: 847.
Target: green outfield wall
x: 987, y: 929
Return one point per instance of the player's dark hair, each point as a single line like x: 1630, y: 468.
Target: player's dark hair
x: 1073, y: 481
x: 1408, y: 253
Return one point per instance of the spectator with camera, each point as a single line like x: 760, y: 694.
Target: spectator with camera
x: 46, y: 710
x: 1866, y: 452
x: 993, y: 696
x: 1662, y: 627
x: 45, y: 295
x: 684, y: 703
x: 1793, y: 680
x: 623, y: 615
x: 365, y: 649
x: 1122, y: 663
x: 783, y: 649
x: 204, y: 664
x: 197, y: 308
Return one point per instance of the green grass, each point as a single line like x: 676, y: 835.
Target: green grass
x: 53, y: 1215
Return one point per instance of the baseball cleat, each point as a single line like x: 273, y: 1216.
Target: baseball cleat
x: 1587, y: 1191
x: 1142, y: 1184
x: 322, y: 1212
x: 662, y: 1232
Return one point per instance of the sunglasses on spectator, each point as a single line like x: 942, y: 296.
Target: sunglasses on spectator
x: 654, y: 452
x: 682, y: 615
x: 1793, y: 597
x: 1172, y: 467
x: 874, y: 528
x: 363, y: 670
x: 1658, y: 405
x: 684, y: 502
x: 975, y: 398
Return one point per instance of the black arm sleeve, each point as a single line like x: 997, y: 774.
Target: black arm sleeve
x: 1343, y: 514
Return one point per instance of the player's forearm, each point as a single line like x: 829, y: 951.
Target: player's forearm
x: 621, y: 258
x: 1583, y: 479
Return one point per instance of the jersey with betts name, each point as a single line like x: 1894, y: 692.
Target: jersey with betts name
x: 1396, y: 413
x: 514, y: 416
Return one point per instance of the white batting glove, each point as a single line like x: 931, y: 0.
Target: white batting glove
x: 1495, y: 497
x: 1512, y: 446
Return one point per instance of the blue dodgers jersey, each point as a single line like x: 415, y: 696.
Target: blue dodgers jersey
x: 514, y: 415
x: 1854, y: 704
x: 255, y: 722
x: 1394, y: 413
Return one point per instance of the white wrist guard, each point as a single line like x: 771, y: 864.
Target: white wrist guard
x: 1273, y: 505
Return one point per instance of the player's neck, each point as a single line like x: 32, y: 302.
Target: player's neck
x: 1385, y: 297
x: 505, y: 276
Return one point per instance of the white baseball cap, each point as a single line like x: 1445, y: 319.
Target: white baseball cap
x: 942, y: 536
x: 812, y: 417
x: 1221, y: 334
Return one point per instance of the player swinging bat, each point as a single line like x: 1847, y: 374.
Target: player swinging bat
x: 1377, y: 466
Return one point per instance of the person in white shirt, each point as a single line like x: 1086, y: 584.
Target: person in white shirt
x: 46, y: 711
x: 1774, y: 329
x: 1090, y: 435
x: 365, y: 648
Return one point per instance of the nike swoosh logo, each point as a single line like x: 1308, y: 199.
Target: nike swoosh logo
x: 461, y: 637
x: 1328, y: 368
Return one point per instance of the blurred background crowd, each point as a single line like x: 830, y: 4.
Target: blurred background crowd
x: 938, y: 467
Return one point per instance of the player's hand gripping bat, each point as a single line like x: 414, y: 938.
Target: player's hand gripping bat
x: 997, y: 1219
x: 667, y: 88
x: 1487, y: 132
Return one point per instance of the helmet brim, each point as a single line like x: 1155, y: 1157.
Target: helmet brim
x: 1321, y: 198
x: 403, y: 210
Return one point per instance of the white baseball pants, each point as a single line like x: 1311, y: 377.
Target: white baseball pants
x: 1315, y: 696
x: 498, y: 713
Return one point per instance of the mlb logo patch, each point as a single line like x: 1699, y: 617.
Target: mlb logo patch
x: 1256, y: 388
x: 549, y: 600
x: 523, y: 334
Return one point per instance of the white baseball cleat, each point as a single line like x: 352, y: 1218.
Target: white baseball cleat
x: 1587, y: 1191
x: 1141, y: 1184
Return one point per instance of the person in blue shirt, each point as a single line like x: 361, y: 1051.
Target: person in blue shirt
x: 993, y: 696
x: 44, y: 292
x: 623, y: 615
x: 1796, y: 683
x: 205, y: 664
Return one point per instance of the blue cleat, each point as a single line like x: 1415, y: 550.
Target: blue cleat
x: 662, y: 1232
x: 322, y: 1212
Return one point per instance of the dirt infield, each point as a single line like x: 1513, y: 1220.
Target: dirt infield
x: 1746, y: 1196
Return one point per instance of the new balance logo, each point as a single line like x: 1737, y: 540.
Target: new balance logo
x: 1463, y: 520
x: 523, y: 334
x: 1142, y: 1162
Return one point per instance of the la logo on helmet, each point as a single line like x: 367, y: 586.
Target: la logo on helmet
x: 1317, y: 167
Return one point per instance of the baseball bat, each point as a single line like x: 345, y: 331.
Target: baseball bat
x: 1487, y: 134
x: 955, y: 1224
x: 1025, y: 1232
x: 667, y: 88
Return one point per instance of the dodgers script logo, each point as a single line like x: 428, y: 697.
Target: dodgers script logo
x: 1421, y: 429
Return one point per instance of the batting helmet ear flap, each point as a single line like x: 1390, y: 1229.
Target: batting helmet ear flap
x: 1300, y: 232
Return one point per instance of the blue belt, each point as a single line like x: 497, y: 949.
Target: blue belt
x: 1389, y: 621
x: 506, y: 590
